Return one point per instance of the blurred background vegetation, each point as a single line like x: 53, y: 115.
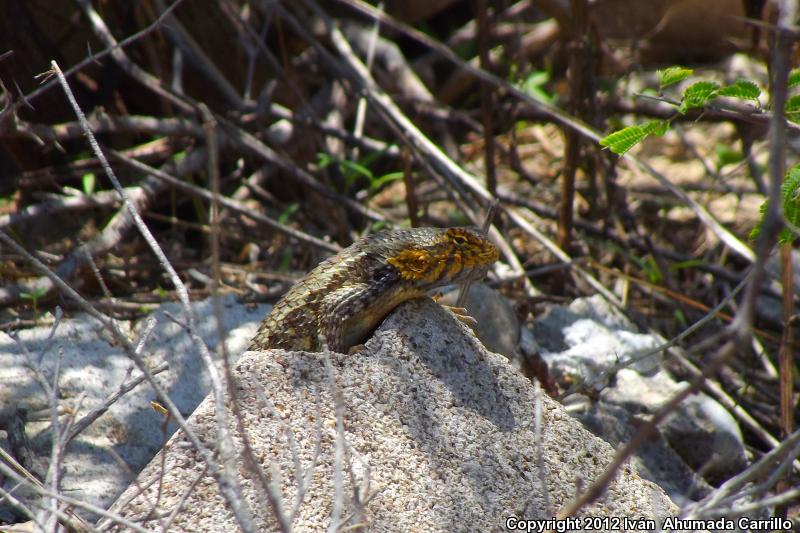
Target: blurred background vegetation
x: 268, y: 101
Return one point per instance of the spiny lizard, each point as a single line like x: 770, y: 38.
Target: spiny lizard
x: 341, y: 301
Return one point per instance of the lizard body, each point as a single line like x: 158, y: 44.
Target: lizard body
x: 341, y: 301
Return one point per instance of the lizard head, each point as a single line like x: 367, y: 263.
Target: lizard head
x: 434, y: 257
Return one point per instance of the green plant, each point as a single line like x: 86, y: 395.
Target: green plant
x: 34, y: 297
x: 688, y: 264
x: 352, y: 170
x: 287, y: 213
x: 535, y: 86
x: 649, y: 267
x: 680, y: 318
x: 726, y: 155
x: 790, y: 200
x: 286, y: 259
x: 378, y: 225
x: 88, y: 181
x: 697, y: 95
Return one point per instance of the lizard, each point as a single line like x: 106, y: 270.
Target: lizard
x: 339, y: 303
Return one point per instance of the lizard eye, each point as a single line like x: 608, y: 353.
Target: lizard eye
x: 460, y: 240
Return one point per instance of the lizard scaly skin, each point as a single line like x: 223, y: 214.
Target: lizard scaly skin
x: 339, y: 303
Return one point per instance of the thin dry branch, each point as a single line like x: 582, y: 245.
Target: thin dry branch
x: 721, y: 502
x: 103, y: 33
x: 733, y: 112
x: 110, y: 237
x: 101, y: 122
x: 230, y: 204
x: 65, y: 518
x: 645, y: 432
x: 442, y: 163
x: 740, y: 330
x: 116, y: 229
x: 25, y: 100
x: 124, y: 388
x: 224, y: 474
x: 191, y: 49
x: 357, y: 72
x: 232, y: 135
x: 262, y: 483
x: 229, y: 132
x: 556, y: 114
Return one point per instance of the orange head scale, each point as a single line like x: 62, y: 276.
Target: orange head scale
x: 436, y: 257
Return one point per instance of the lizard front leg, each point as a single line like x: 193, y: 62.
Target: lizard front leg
x: 339, y: 315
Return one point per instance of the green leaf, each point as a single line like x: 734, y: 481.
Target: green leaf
x: 371, y: 157
x: 742, y: 89
x: 794, y: 78
x: 672, y: 75
x: 726, y: 155
x: 792, y: 108
x: 521, y: 125
x: 349, y: 169
x: 790, y: 201
x: 380, y: 181
x: 756, y: 231
x: 287, y: 213
x: 657, y: 127
x: 698, y: 94
x: 88, y: 181
x: 680, y: 317
x: 689, y: 263
x: 649, y: 268
x: 790, y: 196
x: 623, y: 140
x: 352, y: 170
x: 379, y: 225
x: 786, y: 236
x: 35, y: 295
x: 535, y: 86
x: 653, y: 273
x: 286, y: 259
x: 325, y: 160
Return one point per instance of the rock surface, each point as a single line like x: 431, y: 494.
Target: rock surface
x: 584, y: 341
x: 497, y: 325
x: 91, y: 368
x: 440, y: 436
